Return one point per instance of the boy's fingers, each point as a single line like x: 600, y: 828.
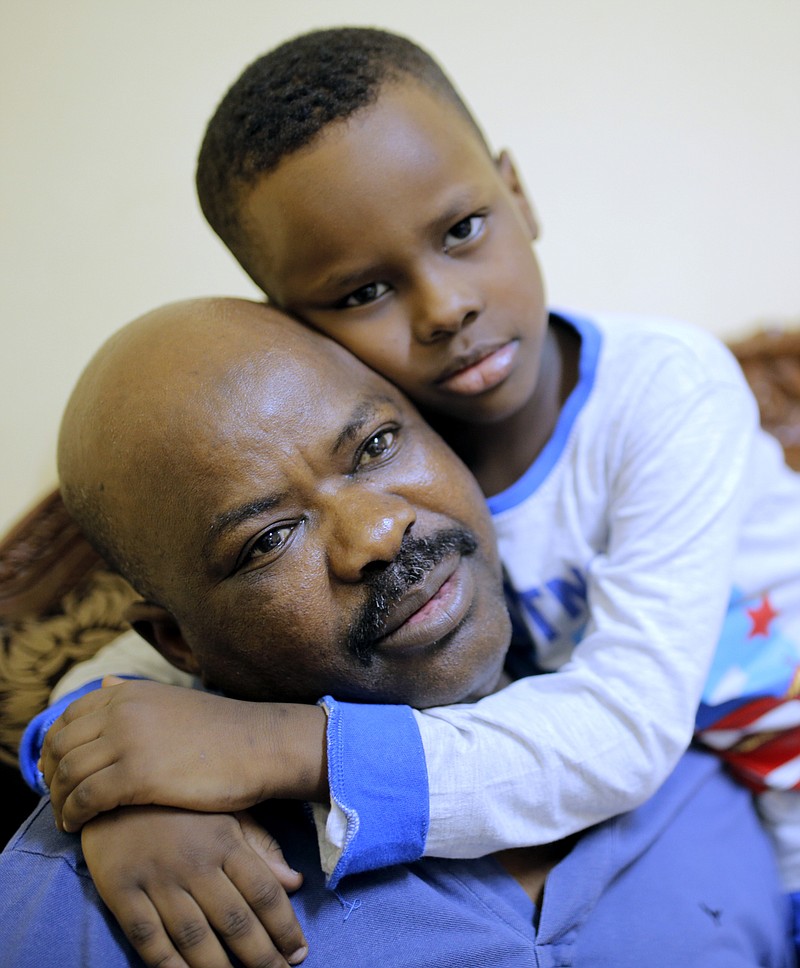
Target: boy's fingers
x: 69, y: 738
x: 143, y: 927
x: 264, y: 893
x: 269, y: 850
x: 98, y: 792
x: 259, y: 928
x: 66, y: 738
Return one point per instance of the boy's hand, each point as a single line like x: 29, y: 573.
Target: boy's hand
x: 187, y: 887
x: 142, y: 742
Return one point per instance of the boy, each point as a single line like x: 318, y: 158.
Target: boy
x: 647, y: 526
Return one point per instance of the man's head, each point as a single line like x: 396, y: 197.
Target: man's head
x: 352, y: 184
x: 296, y: 527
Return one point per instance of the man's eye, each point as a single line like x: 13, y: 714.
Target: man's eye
x: 364, y: 295
x: 464, y: 231
x: 268, y: 542
x: 376, y: 447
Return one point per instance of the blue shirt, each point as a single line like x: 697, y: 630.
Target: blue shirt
x: 688, y: 879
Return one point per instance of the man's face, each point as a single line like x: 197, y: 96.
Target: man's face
x: 316, y: 536
x: 395, y: 233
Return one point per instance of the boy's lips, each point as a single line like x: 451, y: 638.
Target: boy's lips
x: 431, y: 609
x: 481, y: 370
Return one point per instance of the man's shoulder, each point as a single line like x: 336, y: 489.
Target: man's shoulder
x: 51, y: 911
x: 39, y: 836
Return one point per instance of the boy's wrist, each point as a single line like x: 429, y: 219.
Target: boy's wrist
x: 295, y: 752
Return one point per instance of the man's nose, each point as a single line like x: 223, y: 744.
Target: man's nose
x: 366, y: 528
x: 445, y: 299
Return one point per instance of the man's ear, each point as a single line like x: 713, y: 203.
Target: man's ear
x: 159, y: 627
x: 508, y: 172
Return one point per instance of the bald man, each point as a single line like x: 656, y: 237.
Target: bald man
x: 298, y: 532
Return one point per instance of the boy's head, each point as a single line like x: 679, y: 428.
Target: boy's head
x: 348, y: 178
x: 296, y: 526
x: 284, y: 99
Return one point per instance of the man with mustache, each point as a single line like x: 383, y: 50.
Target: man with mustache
x: 298, y: 532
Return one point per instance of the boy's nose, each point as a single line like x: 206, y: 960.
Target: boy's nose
x: 366, y: 528
x: 446, y: 300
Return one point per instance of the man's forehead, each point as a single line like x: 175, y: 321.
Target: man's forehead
x: 303, y: 394
x: 324, y: 411
x: 306, y: 372
x: 208, y: 375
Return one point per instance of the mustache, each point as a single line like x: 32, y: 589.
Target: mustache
x: 416, y: 558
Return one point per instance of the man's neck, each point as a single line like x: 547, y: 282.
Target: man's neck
x: 529, y: 866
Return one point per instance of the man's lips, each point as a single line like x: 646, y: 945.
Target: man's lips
x: 482, y: 369
x: 430, y: 610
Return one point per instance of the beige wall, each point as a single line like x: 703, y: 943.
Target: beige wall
x: 659, y: 139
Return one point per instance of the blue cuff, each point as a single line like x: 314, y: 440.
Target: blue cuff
x: 378, y: 778
x: 30, y: 747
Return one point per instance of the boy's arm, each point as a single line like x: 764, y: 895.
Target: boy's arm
x: 30, y: 748
x: 141, y: 742
x: 104, y: 748
x: 128, y: 656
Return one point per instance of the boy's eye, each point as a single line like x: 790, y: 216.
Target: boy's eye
x: 268, y: 543
x: 464, y: 231
x: 364, y: 295
x: 376, y: 447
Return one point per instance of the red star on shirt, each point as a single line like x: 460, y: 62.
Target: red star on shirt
x: 761, y: 616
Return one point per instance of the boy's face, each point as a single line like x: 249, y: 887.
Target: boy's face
x: 398, y: 235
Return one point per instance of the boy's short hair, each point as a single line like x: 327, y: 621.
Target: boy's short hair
x: 284, y: 99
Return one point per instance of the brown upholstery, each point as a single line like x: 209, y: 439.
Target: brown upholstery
x: 59, y: 603
x: 771, y: 363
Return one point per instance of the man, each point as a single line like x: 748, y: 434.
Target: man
x: 297, y: 530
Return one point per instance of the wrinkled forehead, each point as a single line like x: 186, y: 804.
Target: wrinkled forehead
x: 278, y: 396
x: 203, y: 389
x: 298, y: 377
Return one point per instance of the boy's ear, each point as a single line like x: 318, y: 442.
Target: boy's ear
x: 508, y: 172
x: 158, y: 627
